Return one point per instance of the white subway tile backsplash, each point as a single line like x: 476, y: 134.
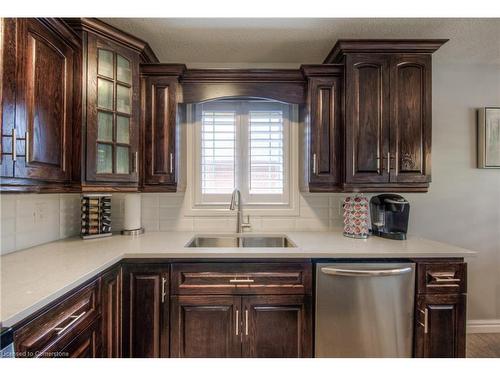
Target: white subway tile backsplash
x: 214, y: 224
x: 149, y: 200
x: 32, y: 219
x: 175, y: 200
x: 312, y: 224
x: 151, y: 225
x: 8, y: 243
x: 278, y: 224
x: 171, y: 213
x: 8, y: 206
x: 180, y: 225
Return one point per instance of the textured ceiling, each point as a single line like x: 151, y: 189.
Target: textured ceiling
x: 289, y: 42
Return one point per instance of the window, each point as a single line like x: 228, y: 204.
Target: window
x: 242, y: 145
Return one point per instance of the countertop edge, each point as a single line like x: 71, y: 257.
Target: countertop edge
x: 15, y: 319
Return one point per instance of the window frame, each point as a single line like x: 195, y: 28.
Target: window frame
x: 263, y: 204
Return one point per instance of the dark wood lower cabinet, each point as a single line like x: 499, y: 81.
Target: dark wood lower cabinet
x: 277, y: 326
x: 271, y: 326
x: 111, y: 312
x: 85, y: 345
x: 145, y: 311
x: 440, y: 326
x: 206, y: 326
x: 127, y: 311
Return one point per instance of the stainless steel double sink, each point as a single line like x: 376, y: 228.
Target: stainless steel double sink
x: 240, y: 240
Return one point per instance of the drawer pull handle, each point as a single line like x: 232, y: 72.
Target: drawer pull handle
x: 426, y: 320
x: 14, y: 145
x: 163, y: 289
x: 445, y: 280
x: 246, y: 322
x: 27, y: 147
x: 75, y: 318
x: 241, y: 281
x: 443, y: 286
x: 237, y: 322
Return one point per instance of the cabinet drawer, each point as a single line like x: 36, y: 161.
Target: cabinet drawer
x: 442, y: 277
x: 58, y: 325
x: 241, y: 278
x: 85, y: 345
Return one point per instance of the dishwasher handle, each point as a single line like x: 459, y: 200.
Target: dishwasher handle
x: 351, y: 272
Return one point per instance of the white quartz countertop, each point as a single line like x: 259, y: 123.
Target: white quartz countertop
x: 34, y: 277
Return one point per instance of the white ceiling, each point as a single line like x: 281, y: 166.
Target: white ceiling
x: 289, y: 42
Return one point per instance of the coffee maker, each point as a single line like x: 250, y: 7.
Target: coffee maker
x: 389, y: 216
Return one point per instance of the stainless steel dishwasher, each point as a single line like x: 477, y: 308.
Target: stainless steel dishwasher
x: 364, y: 309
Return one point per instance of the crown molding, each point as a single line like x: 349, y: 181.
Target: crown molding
x: 96, y: 26
x: 344, y: 46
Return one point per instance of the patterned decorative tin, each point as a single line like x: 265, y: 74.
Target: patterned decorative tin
x: 356, y: 216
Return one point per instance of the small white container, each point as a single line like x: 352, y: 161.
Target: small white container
x: 132, y: 215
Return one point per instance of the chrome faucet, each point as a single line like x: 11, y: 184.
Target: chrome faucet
x: 236, y: 200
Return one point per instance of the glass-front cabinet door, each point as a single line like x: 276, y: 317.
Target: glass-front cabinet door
x: 112, y: 112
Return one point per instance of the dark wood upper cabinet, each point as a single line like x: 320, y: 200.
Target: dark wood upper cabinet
x: 388, y: 113
x: 40, y: 71
x: 112, y: 112
x: 7, y: 95
x: 277, y: 326
x: 411, y: 116
x: 110, y: 134
x: 145, y: 311
x: 45, y: 92
x: 367, y: 119
x: 323, y: 126
x: 111, y: 313
x: 206, y: 326
x: 160, y: 121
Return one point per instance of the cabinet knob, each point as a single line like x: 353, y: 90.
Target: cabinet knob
x: 315, y: 167
x: 171, y: 162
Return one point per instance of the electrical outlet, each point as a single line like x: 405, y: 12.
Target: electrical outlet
x: 40, y: 212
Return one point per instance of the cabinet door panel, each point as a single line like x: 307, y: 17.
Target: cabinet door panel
x: 8, y: 66
x: 325, y: 113
x: 44, y: 103
x: 411, y: 118
x: 145, y: 311
x: 367, y: 118
x: 440, y: 326
x: 160, y: 131
x: 111, y: 313
x: 206, y: 326
x: 277, y: 326
x: 113, y: 109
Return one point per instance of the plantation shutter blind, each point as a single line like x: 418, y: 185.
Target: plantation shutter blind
x: 218, y: 152
x: 266, y: 164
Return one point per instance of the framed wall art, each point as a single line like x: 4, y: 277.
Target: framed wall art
x: 488, y: 137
